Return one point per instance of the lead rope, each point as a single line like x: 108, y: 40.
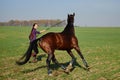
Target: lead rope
x: 54, y: 25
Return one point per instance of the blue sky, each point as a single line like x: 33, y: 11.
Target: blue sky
x: 88, y: 12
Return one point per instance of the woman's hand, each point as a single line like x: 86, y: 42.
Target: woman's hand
x: 42, y: 31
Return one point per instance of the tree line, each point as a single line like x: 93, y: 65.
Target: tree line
x: 44, y: 23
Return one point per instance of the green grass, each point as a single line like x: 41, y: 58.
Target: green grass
x: 100, y: 47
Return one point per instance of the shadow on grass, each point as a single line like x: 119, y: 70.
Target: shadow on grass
x: 54, y: 66
x: 39, y: 57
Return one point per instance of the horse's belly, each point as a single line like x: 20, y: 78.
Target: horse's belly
x: 65, y: 47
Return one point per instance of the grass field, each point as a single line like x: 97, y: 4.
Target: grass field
x: 99, y: 45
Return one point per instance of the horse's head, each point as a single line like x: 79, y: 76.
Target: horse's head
x: 70, y: 18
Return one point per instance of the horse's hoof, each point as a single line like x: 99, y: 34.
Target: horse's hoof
x: 70, y: 64
x: 50, y: 73
x: 63, y: 67
x: 88, y: 68
x: 67, y: 71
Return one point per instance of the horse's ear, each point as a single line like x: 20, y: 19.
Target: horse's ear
x: 68, y: 15
x: 73, y: 14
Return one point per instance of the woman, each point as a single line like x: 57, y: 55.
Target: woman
x: 32, y: 37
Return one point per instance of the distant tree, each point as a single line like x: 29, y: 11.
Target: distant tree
x: 45, y: 23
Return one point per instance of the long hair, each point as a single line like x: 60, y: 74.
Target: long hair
x: 28, y: 53
x: 31, y: 33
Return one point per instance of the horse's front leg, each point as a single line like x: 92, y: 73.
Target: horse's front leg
x: 71, y: 64
x: 54, y: 60
x: 83, y: 59
x: 73, y: 58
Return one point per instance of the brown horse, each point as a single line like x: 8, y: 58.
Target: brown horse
x: 65, y: 40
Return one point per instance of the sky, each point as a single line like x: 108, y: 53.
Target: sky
x: 87, y: 12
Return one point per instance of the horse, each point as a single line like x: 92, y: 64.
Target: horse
x: 65, y: 40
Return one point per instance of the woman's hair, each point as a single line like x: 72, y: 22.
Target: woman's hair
x: 31, y: 34
x: 34, y: 25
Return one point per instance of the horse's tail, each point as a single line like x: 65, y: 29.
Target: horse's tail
x: 28, y: 53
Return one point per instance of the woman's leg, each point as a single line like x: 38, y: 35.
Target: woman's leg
x: 35, y: 49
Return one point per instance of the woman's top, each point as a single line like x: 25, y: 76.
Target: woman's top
x: 33, y: 34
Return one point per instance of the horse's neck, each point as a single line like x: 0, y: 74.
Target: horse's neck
x: 69, y: 29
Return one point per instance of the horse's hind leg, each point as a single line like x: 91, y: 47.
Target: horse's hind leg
x: 48, y: 63
x: 83, y: 59
x: 54, y: 60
